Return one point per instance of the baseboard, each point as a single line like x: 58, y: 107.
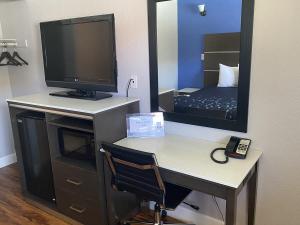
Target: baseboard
x: 193, y: 217
x: 7, y: 160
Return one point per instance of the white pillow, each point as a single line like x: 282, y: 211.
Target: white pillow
x: 236, y: 71
x: 228, y: 76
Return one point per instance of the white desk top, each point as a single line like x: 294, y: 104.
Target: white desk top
x: 192, y: 157
x: 189, y: 90
x: 72, y: 104
x: 165, y: 90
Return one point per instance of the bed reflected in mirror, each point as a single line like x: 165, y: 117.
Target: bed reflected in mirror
x: 198, y: 57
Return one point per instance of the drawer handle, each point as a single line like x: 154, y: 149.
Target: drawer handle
x: 73, y: 208
x: 73, y: 182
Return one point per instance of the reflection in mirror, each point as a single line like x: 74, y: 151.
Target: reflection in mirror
x: 198, y: 57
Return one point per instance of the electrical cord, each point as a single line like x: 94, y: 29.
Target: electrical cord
x: 218, y: 161
x: 218, y: 207
x: 195, y: 207
x: 128, y: 86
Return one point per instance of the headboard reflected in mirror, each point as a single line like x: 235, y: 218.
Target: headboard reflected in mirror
x: 221, y: 48
x: 200, y: 63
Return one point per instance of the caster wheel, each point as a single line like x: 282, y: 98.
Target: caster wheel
x: 124, y: 223
x: 164, y: 214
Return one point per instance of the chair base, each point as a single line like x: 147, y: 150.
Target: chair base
x: 157, y: 218
x: 151, y: 223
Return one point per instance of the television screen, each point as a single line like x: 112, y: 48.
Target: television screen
x: 80, y: 53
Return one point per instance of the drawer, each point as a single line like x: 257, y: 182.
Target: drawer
x: 76, y: 207
x: 75, y: 180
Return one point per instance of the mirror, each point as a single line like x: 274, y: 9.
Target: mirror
x: 200, y: 68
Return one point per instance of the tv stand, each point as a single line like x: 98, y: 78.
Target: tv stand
x: 78, y: 183
x: 82, y: 94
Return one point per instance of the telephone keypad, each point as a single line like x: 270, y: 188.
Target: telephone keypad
x: 243, y: 147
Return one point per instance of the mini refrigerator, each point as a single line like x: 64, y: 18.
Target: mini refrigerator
x: 36, y: 155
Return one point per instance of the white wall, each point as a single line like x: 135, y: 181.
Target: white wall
x: 21, y: 20
x: 274, y: 119
x: 274, y: 96
x: 167, y: 41
x: 6, y: 143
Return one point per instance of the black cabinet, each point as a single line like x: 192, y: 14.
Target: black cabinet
x: 78, y: 180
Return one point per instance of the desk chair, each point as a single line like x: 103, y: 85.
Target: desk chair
x: 137, y: 172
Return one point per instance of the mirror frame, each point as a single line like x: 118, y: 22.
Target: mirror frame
x: 241, y: 123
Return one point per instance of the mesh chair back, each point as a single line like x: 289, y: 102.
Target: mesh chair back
x: 135, y: 171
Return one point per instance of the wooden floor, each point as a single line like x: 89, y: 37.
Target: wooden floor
x: 14, y: 210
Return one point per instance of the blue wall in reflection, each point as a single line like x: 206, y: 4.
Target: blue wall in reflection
x: 223, y: 16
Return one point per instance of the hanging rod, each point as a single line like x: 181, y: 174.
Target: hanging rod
x: 12, y: 43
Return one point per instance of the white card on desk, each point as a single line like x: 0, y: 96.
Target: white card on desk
x: 145, y: 125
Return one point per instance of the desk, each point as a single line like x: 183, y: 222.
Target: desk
x: 186, y: 162
x: 188, y: 90
x: 166, y: 99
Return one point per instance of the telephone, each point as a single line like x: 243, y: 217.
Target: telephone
x: 236, y: 148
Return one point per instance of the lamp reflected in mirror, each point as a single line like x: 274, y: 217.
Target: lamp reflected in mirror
x: 202, y: 10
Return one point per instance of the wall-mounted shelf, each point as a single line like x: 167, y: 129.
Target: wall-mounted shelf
x: 13, y: 43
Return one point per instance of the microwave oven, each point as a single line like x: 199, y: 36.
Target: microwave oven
x: 77, y: 145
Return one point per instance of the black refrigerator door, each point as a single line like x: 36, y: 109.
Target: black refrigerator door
x: 36, y: 155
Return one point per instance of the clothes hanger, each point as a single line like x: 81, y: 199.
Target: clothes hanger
x: 17, y: 57
x: 13, y: 60
x: 10, y: 60
x: 2, y: 56
x: 5, y: 56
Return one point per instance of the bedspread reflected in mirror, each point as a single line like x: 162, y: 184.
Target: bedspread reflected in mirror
x: 199, y: 57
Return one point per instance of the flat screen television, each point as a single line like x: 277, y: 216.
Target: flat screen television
x: 80, y: 54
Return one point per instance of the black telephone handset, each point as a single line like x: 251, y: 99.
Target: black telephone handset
x: 236, y: 148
